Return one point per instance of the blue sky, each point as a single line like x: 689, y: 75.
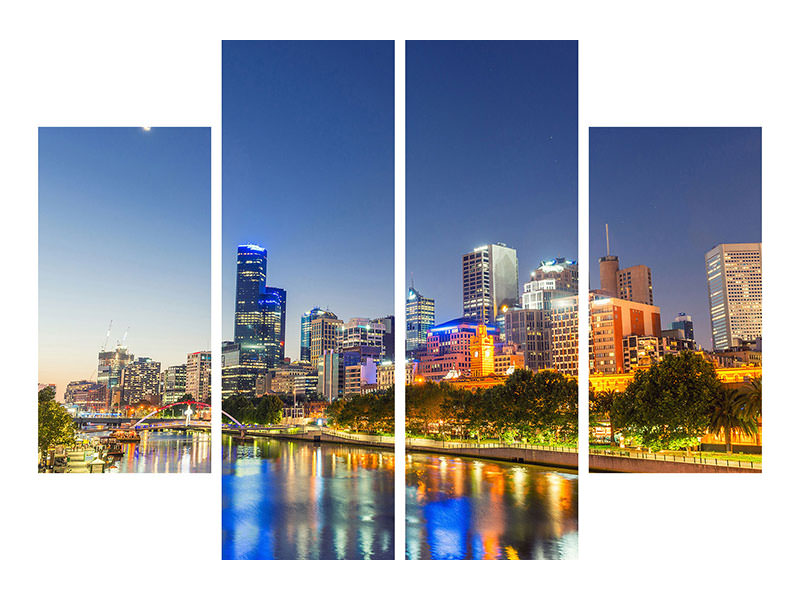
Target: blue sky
x: 669, y: 195
x: 308, y: 173
x: 124, y: 235
x: 491, y: 156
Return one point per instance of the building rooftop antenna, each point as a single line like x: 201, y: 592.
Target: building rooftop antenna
x: 608, y: 247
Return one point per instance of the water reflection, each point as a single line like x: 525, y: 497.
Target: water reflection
x: 294, y: 500
x: 166, y: 452
x: 461, y: 508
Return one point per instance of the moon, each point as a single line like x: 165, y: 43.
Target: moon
x: 145, y: 128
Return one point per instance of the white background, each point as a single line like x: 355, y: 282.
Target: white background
x: 158, y: 63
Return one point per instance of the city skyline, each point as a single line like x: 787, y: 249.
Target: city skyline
x: 308, y: 174
x: 492, y: 156
x: 669, y: 195
x: 124, y: 236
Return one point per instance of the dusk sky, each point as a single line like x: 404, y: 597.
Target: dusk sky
x: 491, y: 156
x: 124, y: 234
x: 669, y: 195
x: 308, y: 173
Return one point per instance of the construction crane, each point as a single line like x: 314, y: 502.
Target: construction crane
x: 108, y: 333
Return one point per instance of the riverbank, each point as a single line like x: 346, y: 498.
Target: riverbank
x: 547, y: 456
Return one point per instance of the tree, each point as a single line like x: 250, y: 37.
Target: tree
x: 668, y: 405
x: 729, y: 413
x: 56, y: 426
x: 601, y: 405
x: 269, y: 410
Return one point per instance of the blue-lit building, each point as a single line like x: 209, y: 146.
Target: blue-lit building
x: 683, y: 322
x: 251, y: 281
x: 273, y: 311
x: 447, y: 348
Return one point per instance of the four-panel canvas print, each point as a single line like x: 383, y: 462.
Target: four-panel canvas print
x: 486, y: 348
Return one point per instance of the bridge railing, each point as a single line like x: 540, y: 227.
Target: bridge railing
x: 456, y: 445
x: 698, y: 460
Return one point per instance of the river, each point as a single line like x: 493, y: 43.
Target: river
x: 284, y: 499
x: 165, y: 452
x: 463, y: 508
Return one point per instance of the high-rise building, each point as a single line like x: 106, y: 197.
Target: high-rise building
x: 564, y: 335
x: 110, y: 365
x: 325, y: 332
x: 174, y: 384
x: 634, y: 284
x: 684, y: 323
x: 555, y: 278
x: 362, y: 332
x: 420, y: 315
x: 490, y: 276
x: 198, y: 375
x: 330, y: 375
x: 273, y: 333
x: 140, y: 382
x: 305, y: 330
x: 733, y: 272
x: 529, y: 330
x: 251, y: 281
x: 611, y: 320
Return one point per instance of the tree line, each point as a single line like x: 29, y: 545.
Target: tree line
x: 675, y: 402
x: 254, y: 410
x: 366, y: 413
x: 539, y: 408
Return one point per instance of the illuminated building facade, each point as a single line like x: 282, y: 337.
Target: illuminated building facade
x: 324, y: 335
x: 87, y: 395
x: 385, y: 375
x: 273, y: 334
x: 330, y: 376
x: 481, y: 352
x: 173, y: 384
x: 733, y: 272
x: 305, y: 329
x: 198, y: 375
x: 251, y: 280
x: 611, y: 320
x: 420, y: 317
x: 362, y: 332
x: 140, y: 382
x: 490, y: 277
x: 564, y: 335
x: 447, y: 349
x: 529, y: 330
x: 555, y: 278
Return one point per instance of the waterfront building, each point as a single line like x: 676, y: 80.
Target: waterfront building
x: 140, y: 382
x: 173, y: 384
x: 198, y: 375
x: 305, y: 329
x: 552, y: 279
x: 251, y: 280
x: 447, y: 351
x: 733, y: 272
x: 684, y: 323
x: 481, y: 351
x: 611, y: 320
x: 490, y: 280
x: 420, y: 315
x: 110, y: 365
x: 324, y: 336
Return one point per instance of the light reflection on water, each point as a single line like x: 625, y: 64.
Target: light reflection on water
x: 166, y: 452
x: 294, y: 500
x: 463, y: 508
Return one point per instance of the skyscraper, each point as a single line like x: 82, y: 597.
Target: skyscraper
x: 140, y: 381
x: 420, y: 315
x: 490, y: 281
x: 174, y: 386
x: 305, y: 329
x: 733, y: 272
x: 273, y: 335
x: 251, y: 280
x: 325, y: 332
x: 110, y: 365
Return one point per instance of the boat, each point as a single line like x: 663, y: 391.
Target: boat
x: 122, y: 435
